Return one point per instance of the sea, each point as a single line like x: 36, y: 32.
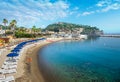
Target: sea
x: 91, y: 60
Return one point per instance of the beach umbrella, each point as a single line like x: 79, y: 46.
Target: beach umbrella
x: 15, y: 50
x: 12, y: 55
x: 19, y: 46
x: 22, y: 44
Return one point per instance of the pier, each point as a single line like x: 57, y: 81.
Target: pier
x: 110, y: 35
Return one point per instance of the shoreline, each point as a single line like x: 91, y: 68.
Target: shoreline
x: 31, y: 72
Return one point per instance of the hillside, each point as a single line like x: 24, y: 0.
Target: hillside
x: 69, y: 26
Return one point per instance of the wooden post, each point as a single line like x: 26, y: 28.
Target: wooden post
x: 29, y: 60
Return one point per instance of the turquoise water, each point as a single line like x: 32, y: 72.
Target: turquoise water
x: 93, y: 60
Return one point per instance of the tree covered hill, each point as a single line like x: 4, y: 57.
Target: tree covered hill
x: 69, y: 26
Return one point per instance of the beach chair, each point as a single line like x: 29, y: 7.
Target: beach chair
x: 12, y: 67
x: 3, y: 66
x: 10, y: 59
x: 10, y: 63
x: 10, y: 71
x: 2, y: 77
x: 1, y: 71
x: 9, y: 66
x: 8, y: 79
x: 17, y: 58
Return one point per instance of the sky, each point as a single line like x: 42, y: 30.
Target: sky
x: 104, y: 14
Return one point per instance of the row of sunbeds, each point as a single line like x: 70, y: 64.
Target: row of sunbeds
x: 10, y: 64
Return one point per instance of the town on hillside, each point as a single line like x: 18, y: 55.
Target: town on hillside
x: 72, y: 31
x: 11, y: 33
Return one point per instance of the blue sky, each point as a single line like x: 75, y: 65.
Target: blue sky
x: 105, y: 14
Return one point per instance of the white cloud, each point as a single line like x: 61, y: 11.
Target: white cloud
x: 76, y: 8
x: 103, y: 3
x: 101, y: 6
x: 105, y: 6
x: 33, y: 11
x: 114, y: 6
x: 87, y: 13
x: 78, y: 15
x: 97, y: 11
x: 74, y: 11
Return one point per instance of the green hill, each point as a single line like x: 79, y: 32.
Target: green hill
x: 69, y: 26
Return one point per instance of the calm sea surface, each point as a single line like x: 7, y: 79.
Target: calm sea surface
x: 93, y: 60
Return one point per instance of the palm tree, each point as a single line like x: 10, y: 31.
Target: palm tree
x: 5, y: 21
x: 13, y: 25
x: 38, y: 30
x: 34, y: 29
x: 22, y: 29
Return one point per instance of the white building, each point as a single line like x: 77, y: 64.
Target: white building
x: 83, y: 36
x: 2, y: 31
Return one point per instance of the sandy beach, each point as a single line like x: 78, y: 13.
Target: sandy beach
x: 31, y: 72
x: 4, y: 53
